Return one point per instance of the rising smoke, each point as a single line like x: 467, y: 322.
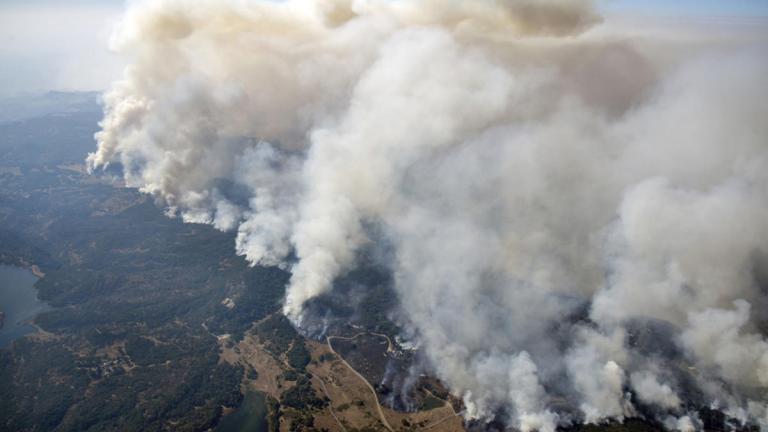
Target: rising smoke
x: 579, y: 218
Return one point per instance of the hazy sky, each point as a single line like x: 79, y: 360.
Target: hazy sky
x: 56, y: 45
x: 691, y: 7
x: 62, y: 44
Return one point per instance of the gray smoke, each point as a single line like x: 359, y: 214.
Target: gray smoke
x: 546, y: 182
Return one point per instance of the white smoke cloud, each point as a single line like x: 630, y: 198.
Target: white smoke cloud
x: 651, y: 391
x: 686, y: 424
x: 716, y: 337
x: 543, y: 185
x: 598, y: 377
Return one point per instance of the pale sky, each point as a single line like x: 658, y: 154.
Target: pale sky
x: 692, y: 7
x: 59, y: 45
x: 62, y: 44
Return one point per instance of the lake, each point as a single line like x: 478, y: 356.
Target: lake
x: 251, y: 415
x: 18, y: 300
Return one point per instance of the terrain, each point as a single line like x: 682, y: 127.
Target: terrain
x: 157, y: 324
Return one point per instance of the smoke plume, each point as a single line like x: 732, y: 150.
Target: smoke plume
x: 578, y: 214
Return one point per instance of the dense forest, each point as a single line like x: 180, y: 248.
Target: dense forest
x: 131, y: 341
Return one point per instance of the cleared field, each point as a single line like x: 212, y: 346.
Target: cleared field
x: 353, y: 402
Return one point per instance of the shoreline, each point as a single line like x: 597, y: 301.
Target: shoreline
x: 33, y: 268
x: 36, y: 331
x: 36, y: 271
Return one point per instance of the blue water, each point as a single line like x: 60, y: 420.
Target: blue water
x: 18, y: 299
x: 251, y: 415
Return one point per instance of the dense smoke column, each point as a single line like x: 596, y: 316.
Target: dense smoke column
x: 569, y: 191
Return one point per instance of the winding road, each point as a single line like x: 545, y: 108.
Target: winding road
x: 375, y: 396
